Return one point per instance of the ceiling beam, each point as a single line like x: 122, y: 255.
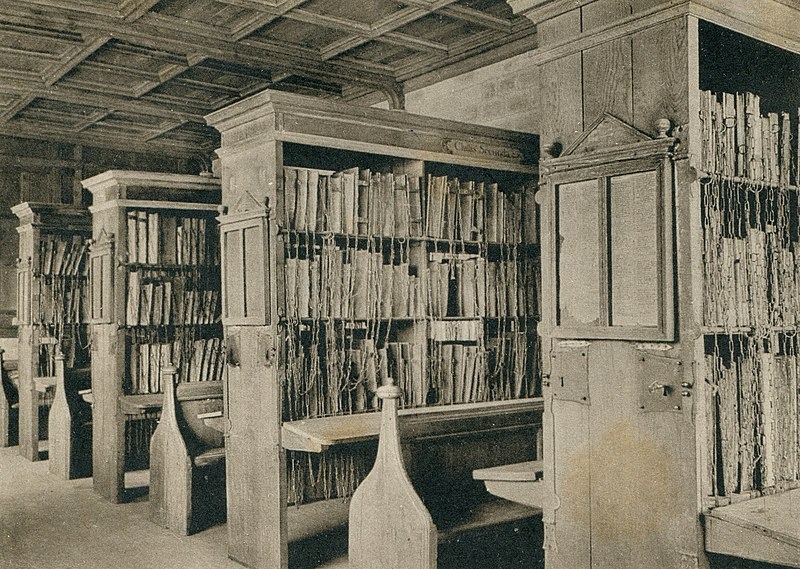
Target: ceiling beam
x: 38, y: 131
x: 73, y: 57
x: 153, y: 33
x: 467, y: 14
x: 262, y: 17
x: 93, y: 118
x: 132, y: 10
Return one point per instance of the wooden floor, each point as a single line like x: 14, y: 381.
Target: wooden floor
x: 47, y: 523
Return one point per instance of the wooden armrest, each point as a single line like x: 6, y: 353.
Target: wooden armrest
x: 209, y: 457
x: 87, y: 395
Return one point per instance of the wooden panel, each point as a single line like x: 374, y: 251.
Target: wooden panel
x: 560, y: 28
x: 255, y: 466
x: 635, y: 237
x: 572, y: 547
x: 660, y: 75
x: 561, y: 106
x: 604, y: 12
x: 579, y: 290
x: 607, y: 82
x: 640, y: 484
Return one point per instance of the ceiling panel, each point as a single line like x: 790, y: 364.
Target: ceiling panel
x: 143, y: 73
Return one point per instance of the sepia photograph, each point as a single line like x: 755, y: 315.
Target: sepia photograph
x: 399, y: 284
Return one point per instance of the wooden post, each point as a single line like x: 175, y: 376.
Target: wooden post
x: 60, y: 426
x: 5, y: 407
x: 170, y: 465
x: 390, y: 528
x: 28, y: 396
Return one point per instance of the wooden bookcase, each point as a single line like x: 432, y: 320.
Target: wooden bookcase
x: 660, y: 428
x: 51, y: 320
x: 154, y: 274
x: 359, y: 244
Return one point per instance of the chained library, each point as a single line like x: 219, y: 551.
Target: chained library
x: 400, y: 284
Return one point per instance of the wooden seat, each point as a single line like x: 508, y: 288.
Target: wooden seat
x: 187, y: 458
x: 389, y: 521
x: 9, y: 401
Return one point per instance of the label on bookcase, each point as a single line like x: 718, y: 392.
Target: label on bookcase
x: 467, y: 148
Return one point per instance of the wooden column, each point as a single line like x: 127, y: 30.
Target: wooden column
x: 255, y: 465
x: 5, y: 406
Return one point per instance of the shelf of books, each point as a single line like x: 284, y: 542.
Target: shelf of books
x: 51, y: 319
x: 155, y: 300
x: 388, y: 246
x: 751, y: 259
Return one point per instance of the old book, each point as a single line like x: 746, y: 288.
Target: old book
x: 141, y: 236
x: 740, y: 135
x: 312, y: 187
x: 386, y: 287
x: 415, y: 221
x: 449, y: 224
x: 153, y: 237
x: 167, y: 303
x: 290, y: 276
x: 400, y: 291
x: 314, y: 303
x: 360, y: 277
x: 303, y: 288
x: 437, y: 196
x: 158, y: 304
x: 402, y: 210
x: 446, y: 377
x: 133, y: 290
x: 467, y: 228
x: 132, y: 237
x: 335, y: 205
x: 301, y: 200
x: 387, y: 209
x: 459, y: 373
x: 323, y: 201
x: 491, y: 206
x: 349, y: 203
x: 289, y: 197
x: 363, y: 201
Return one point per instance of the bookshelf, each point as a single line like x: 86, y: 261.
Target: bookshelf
x: 360, y: 244
x: 750, y: 247
x: 154, y: 273
x: 51, y: 320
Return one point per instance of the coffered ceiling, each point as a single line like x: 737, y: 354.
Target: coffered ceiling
x: 141, y: 74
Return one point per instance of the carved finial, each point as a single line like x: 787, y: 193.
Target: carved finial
x: 60, y: 355
x: 389, y: 390
x: 662, y: 127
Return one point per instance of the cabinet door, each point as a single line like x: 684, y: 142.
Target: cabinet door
x: 245, y: 271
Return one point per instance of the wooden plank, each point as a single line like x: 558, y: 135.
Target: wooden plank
x: 560, y: 100
x: 558, y: 29
x: 317, y: 435
x: 519, y: 471
x: 607, y: 81
x: 660, y: 81
x: 763, y: 529
x: 604, y: 12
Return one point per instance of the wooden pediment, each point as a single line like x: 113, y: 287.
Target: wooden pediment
x: 605, y: 133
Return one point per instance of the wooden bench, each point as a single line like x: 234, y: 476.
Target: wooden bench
x: 187, y: 457
x: 389, y: 521
x: 9, y: 401
x: 69, y: 421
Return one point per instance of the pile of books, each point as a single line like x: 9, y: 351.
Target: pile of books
x: 196, y: 360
